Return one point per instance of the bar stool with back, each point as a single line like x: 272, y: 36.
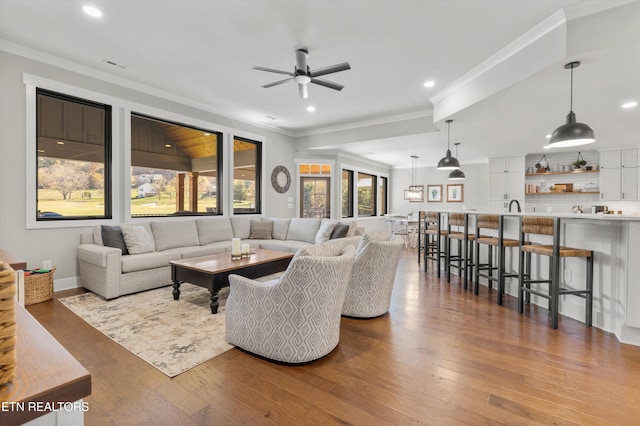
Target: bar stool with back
x: 463, y: 261
x: 551, y: 226
x: 433, y: 240
x: 486, y: 270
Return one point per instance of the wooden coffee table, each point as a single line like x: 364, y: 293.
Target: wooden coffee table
x: 212, y: 272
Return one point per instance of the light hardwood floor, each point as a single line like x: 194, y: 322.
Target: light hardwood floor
x: 441, y: 356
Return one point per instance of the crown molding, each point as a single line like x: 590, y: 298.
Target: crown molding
x: 49, y: 59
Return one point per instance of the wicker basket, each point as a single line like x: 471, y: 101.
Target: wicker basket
x: 7, y: 324
x: 38, y: 287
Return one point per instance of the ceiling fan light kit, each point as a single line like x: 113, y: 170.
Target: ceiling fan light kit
x: 448, y: 162
x: 571, y: 133
x: 302, y: 75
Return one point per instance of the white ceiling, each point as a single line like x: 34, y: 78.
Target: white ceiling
x: 204, y: 50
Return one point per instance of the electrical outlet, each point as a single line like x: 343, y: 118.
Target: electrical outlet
x: 290, y: 205
x: 567, y: 275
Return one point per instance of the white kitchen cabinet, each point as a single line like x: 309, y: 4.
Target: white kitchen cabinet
x: 506, y: 182
x: 619, y: 175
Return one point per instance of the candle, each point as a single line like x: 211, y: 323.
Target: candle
x: 235, y: 246
x: 245, y: 248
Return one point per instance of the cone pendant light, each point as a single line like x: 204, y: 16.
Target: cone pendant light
x: 457, y: 174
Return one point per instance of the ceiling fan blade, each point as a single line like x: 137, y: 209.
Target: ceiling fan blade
x: 329, y: 84
x: 301, y: 59
x: 275, y: 83
x: 304, y: 91
x: 330, y: 69
x: 272, y: 70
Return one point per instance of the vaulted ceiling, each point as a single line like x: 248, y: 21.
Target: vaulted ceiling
x: 497, y: 66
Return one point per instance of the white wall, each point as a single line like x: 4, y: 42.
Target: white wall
x: 476, y: 189
x: 59, y: 245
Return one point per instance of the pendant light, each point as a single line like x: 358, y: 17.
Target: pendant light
x: 457, y: 174
x: 572, y: 133
x: 448, y: 162
x: 414, y: 193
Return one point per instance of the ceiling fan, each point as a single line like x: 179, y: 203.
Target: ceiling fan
x: 303, y: 76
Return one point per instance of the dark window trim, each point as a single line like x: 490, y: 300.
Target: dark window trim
x: 219, y: 166
x: 374, y: 184
x: 108, y: 171
x: 350, y: 193
x: 384, y: 203
x: 258, y: 145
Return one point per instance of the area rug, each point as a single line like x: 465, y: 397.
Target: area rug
x: 173, y: 336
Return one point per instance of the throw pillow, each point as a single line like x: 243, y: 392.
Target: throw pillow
x: 112, y: 237
x: 137, y: 239
x: 339, y: 231
x: 324, y: 232
x: 280, y: 227
x: 261, y: 230
x: 303, y: 229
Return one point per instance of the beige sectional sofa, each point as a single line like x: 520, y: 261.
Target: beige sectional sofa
x: 112, y: 271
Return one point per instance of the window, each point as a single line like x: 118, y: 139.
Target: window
x: 175, y: 169
x: 247, y: 166
x: 366, y: 194
x: 382, y: 197
x: 347, y: 193
x: 315, y: 199
x: 73, y: 151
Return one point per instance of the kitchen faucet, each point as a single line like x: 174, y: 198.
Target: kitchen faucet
x: 517, y: 205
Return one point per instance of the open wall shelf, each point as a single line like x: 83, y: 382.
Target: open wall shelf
x: 563, y: 173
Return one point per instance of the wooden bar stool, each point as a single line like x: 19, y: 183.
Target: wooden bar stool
x: 434, y: 233
x: 550, y: 226
x: 486, y: 270
x: 458, y: 229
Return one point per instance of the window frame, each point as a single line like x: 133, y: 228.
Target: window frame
x: 220, y: 179
x: 374, y: 185
x: 259, y: 171
x: 350, y: 186
x: 107, y: 162
x: 32, y: 85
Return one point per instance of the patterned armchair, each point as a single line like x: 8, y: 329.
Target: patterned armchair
x: 374, y: 271
x: 295, y: 318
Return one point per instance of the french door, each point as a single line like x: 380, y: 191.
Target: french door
x: 315, y: 196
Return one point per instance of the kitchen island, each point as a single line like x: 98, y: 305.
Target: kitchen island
x: 615, y: 241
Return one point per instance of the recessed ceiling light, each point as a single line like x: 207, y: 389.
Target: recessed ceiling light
x: 631, y: 104
x: 311, y: 108
x: 92, y: 11
x: 429, y: 83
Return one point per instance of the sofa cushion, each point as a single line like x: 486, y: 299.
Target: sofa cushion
x: 138, y: 239
x: 280, y: 227
x: 112, y: 237
x: 373, y: 236
x: 303, y: 229
x: 324, y: 232
x: 172, y: 234
x: 241, y: 226
x: 330, y: 248
x: 197, y: 251
x: 214, y: 230
x: 145, y: 261
x: 261, y: 230
x: 339, y: 231
x: 287, y: 245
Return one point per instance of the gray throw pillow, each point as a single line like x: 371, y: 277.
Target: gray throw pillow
x: 261, y: 230
x: 339, y: 231
x: 112, y: 237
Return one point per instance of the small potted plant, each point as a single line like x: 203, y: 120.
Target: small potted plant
x: 577, y: 165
